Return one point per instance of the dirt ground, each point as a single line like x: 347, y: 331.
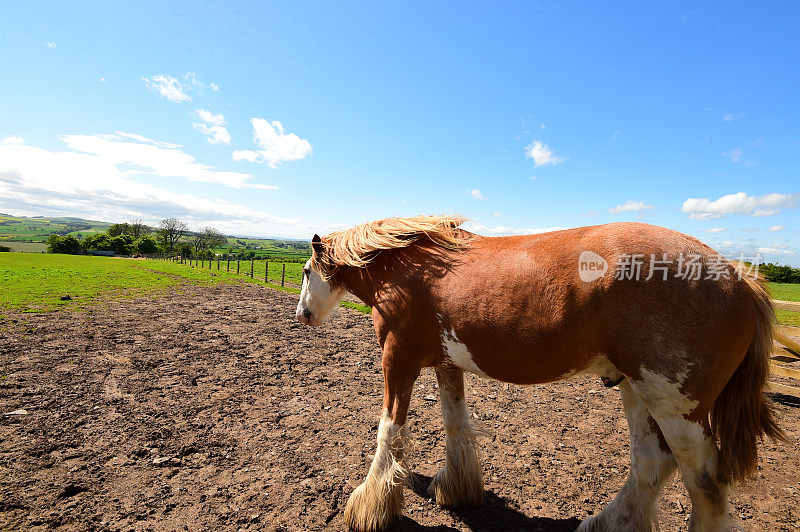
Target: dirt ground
x: 212, y: 408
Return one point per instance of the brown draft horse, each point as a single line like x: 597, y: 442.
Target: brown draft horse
x: 690, y: 352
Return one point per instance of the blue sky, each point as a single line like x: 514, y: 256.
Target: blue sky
x: 285, y: 119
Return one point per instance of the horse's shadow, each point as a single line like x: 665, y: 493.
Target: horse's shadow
x: 786, y: 400
x: 494, y: 514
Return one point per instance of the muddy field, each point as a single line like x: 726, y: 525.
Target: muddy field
x: 212, y: 408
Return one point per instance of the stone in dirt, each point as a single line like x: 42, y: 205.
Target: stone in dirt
x: 20, y: 412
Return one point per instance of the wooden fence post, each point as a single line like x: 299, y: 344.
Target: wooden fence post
x: 283, y: 274
x: 266, y: 270
x: 251, y: 268
x: 229, y: 264
x: 217, y: 263
x: 237, y: 266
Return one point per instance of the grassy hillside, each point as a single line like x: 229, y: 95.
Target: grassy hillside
x: 37, y: 229
x: 30, y: 234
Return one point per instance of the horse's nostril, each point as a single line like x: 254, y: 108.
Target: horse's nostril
x: 306, y: 313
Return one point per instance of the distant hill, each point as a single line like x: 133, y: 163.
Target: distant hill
x: 38, y: 228
x: 23, y: 233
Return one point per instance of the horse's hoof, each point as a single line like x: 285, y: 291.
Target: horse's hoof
x: 450, y: 494
x: 373, y: 510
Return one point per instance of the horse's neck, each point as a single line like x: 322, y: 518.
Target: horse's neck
x: 359, y: 282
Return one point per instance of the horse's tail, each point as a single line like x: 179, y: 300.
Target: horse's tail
x: 743, y: 414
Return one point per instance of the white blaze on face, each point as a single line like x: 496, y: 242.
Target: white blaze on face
x: 317, y: 297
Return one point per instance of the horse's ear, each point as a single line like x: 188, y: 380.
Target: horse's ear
x: 316, y: 245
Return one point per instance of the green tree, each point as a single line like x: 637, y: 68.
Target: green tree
x: 146, y: 245
x: 119, y: 229
x: 121, y: 244
x: 63, y: 244
x: 98, y: 241
x: 171, y: 231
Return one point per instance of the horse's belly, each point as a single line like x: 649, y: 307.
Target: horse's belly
x: 518, y: 365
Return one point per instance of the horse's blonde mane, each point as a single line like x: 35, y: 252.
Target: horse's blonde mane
x: 357, y: 246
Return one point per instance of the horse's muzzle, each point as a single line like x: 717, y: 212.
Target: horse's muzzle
x: 304, y: 317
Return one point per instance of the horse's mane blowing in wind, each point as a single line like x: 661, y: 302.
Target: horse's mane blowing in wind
x: 357, y: 246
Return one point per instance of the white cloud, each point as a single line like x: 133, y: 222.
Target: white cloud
x: 12, y: 140
x: 532, y: 178
x: 775, y: 228
x: 739, y: 203
x: 735, y: 155
x: 716, y: 230
x: 210, y: 118
x: 120, y: 154
x: 246, y: 155
x: 590, y: 214
x: 497, y: 214
x: 476, y: 194
x: 776, y: 251
x: 50, y: 44
x: 99, y: 177
x: 214, y: 127
x: 615, y: 135
x: 276, y: 146
x: 102, y: 80
x: 541, y: 154
x: 502, y: 230
x: 630, y: 206
x: 169, y: 87
x: 216, y: 134
x: 214, y: 87
x: 730, y: 117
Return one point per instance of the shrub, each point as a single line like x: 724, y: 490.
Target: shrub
x: 779, y: 274
x: 63, y: 244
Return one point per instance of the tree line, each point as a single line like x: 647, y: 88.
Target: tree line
x: 136, y: 238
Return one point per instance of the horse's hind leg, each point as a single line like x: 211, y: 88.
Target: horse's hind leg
x: 460, y: 481
x: 684, y: 424
x: 652, y: 464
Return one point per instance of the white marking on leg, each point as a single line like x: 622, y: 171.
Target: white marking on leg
x: 634, y: 507
x: 696, y: 453
x: 378, y: 501
x: 460, y: 481
x: 665, y: 394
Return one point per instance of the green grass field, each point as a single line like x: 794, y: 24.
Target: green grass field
x: 25, y: 247
x: 36, y: 282
x: 784, y: 291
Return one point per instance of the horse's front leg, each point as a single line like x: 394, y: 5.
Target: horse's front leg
x: 460, y: 481
x: 378, y: 502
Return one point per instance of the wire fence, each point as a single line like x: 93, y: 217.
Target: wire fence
x: 275, y: 272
